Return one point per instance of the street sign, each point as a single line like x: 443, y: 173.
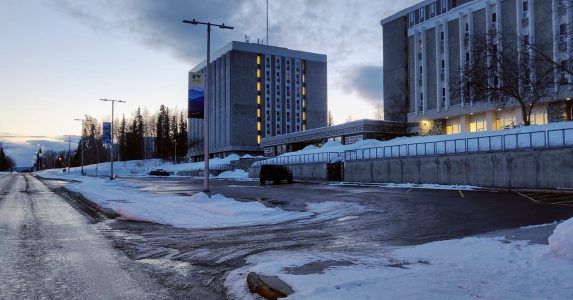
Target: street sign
x: 106, y: 136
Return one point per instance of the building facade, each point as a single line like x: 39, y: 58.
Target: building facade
x: 426, y: 43
x: 259, y: 91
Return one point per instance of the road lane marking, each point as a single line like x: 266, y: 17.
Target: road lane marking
x: 409, y: 190
x: 521, y: 194
x: 461, y: 194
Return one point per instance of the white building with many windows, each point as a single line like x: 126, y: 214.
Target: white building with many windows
x: 425, y: 43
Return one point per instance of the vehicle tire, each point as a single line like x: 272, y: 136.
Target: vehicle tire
x: 262, y: 181
x: 289, y: 180
x: 276, y: 181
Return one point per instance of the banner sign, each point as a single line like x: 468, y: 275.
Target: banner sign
x: 106, y: 136
x: 196, y: 99
x: 353, y: 139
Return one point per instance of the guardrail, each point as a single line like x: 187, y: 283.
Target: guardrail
x: 323, y: 157
x: 554, y: 138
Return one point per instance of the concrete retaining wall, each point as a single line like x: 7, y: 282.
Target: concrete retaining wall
x: 316, y: 171
x: 535, y: 169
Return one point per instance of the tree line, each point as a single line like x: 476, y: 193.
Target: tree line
x: 143, y: 135
x: 6, y: 163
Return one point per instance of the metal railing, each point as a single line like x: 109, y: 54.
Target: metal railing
x: 323, y: 157
x: 554, y: 138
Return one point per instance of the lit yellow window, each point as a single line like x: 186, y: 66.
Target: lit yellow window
x: 449, y: 129
x: 258, y: 125
x: 258, y: 139
x: 258, y: 113
x: 258, y: 73
x: 258, y: 59
x: 303, y: 115
x: 473, y: 126
x: 258, y: 99
x: 258, y: 86
x: 303, y: 90
x: 303, y: 78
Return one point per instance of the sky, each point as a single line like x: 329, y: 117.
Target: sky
x: 59, y: 57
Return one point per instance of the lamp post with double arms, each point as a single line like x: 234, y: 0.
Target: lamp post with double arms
x: 206, y: 101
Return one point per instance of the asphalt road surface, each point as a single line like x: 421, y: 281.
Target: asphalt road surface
x: 49, y: 250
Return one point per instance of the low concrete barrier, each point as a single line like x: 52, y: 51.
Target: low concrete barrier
x: 535, y: 169
x: 315, y: 171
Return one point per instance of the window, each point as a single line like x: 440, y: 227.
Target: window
x: 563, y: 33
x: 412, y: 21
x: 442, y: 40
x: 493, y: 18
x: 476, y: 126
x: 563, y: 74
x: 526, y: 41
x: 432, y: 9
x: 443, y: 97
x: 422, y: 14
x: 444, y: 5
x: 525, y: 9
x: 467, y: 57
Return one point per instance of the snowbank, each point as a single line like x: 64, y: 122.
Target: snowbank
x: 142, y: 167
x: 236, y: 174
x: 534, y: 136
x: 199, y: 210
x: 469, y: 268
x: 561, y: 241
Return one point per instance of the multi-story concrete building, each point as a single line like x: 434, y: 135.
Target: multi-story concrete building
x: 259, y: 91
x: 425, y: 43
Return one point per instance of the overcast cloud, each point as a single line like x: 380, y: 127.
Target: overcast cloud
x: 347, y: 31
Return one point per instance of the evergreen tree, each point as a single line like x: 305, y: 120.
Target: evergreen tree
x: 182, y: 143
x: 122, y: 140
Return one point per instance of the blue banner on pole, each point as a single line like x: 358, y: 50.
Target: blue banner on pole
x: 106, y: 136
x: 196, y: 97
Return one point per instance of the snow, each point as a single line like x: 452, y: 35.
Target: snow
x: 561, y: 241
x: 197, y: 211
x: 426, y: 186
x: 534, y: 136
x: 142, y: 167
x: 467, y: 268
x: 236, y: 174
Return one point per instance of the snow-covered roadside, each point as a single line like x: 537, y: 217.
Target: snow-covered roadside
x: 199, y: 210
x: 468, y: 268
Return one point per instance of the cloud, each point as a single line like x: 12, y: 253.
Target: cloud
x: 366, y: 81
x: 23, y: 149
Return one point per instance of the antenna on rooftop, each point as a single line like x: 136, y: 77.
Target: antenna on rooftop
x: 246, y: 39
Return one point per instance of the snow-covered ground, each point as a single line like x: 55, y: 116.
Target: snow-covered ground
x: 535, y: 136
x: 425, y: 186
x: 197, y: 211
x: 468, y: 268
x: 142, y: 167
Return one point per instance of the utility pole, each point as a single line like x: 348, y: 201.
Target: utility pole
x: 111, y: 129
x: 206, y: 101
x: 69, y: 148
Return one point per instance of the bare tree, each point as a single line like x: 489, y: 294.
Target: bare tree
x: 348, y: 118
x: 330, y: 118
x: 505, y: 76
x: 379, y: 111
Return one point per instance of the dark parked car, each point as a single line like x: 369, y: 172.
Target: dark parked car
x: 159, y: 172
x: 275, y: 173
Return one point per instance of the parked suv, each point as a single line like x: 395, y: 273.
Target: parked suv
x: 159, y: 172
x: 275, y: 173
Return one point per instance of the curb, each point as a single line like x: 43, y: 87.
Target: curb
x: 109, y: 213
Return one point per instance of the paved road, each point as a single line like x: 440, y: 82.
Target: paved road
x: 49, y: 250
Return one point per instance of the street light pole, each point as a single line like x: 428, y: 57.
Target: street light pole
x: 82, y: 143
x: 69, y: 149
x: 206, y: 100
x: 111, y: 129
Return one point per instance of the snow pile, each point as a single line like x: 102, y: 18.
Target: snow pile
x: 553, y: 134
x: 236, y: 174
x: 199, y: 210
x: 469, y: 268
x: 561, y: 241
x: 143, y: 167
